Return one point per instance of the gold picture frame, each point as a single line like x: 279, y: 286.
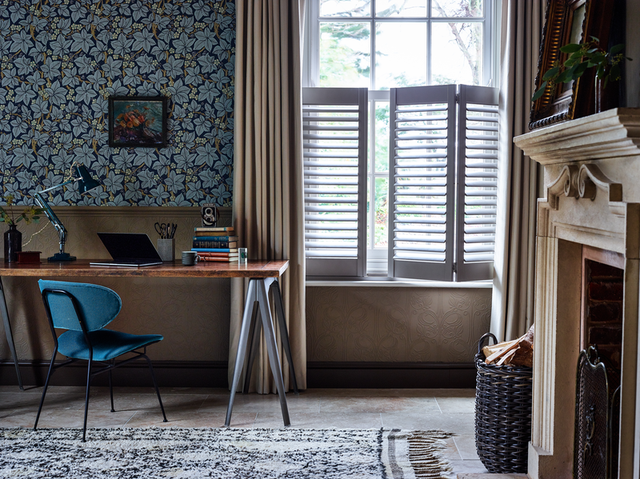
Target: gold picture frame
x: 568, y: 21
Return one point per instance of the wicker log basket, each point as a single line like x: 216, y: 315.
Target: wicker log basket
x: 503, y: 414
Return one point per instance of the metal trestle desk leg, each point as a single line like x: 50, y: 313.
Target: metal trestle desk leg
x: 254, y: 337
x: 257, y: 292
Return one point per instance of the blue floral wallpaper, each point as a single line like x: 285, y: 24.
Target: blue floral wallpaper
x: 60, y: 60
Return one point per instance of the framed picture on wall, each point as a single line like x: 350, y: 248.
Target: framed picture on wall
x: 138, y: 121
x: 568, y: 21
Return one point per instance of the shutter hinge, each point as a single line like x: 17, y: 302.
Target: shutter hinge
x: 455, y: 267
x: 457, y: 97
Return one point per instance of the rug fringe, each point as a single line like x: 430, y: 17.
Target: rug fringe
x: 425, y: 454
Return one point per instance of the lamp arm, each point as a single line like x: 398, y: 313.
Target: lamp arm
x: 85, y: 183
x: 73, y: 180
x: 55, y: 221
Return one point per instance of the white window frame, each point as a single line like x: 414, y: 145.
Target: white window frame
x: 490, y: 41
x: 377, y: 258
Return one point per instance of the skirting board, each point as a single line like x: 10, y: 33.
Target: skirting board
x: 213, y: 374
x: 390, y: 375
x: 209, y: 374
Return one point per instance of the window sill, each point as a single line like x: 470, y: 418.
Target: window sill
x: 399, y: 283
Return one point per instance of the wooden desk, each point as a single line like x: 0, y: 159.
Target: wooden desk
x: 263, y: 276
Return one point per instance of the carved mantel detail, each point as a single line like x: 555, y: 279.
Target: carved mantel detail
x: 584, y: 182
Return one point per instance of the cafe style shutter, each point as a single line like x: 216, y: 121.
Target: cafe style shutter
x: 422, y: 182
x: 443, y: 182
x: 477, y: 182
x: 335, y: 169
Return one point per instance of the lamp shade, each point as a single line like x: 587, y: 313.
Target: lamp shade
x: 85, y: 183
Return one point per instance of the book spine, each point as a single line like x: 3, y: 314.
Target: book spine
x: 214, y: 238
x: 209, y: 253
x: 219, y: 260
x: 215, y: 250
x: 214, y: 244
x: 217, y: 253
x: 213, y: 228
x: 214, y: 234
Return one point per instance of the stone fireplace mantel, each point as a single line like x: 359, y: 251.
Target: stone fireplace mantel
x: 610, y: 134
x: 592, y: 198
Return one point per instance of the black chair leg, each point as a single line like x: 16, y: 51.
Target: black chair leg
x: 111, y: 386
x: 86, y: 402
x: 44, y: 391
x: 155, y: 385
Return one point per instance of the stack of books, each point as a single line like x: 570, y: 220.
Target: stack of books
x: 215, y: 243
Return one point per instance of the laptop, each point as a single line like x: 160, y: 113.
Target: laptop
x: 129, y: 250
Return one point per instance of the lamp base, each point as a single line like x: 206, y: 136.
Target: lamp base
x: 61, y: 257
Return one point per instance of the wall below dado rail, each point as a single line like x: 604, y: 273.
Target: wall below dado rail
x: 352, y: 332
x: 396, y: 324
x: 391, y: 336
x: 192, y: 314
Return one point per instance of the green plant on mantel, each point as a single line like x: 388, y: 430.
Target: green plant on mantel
x: 29, y: 214
x: 583, y: 56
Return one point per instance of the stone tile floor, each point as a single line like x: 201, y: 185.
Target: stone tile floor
x: 448, y: 409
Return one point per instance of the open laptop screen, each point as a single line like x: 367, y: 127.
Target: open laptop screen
x: 129, y: 249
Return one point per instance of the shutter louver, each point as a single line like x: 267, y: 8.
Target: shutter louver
x: 477, y: 181
x: 334, y: 144
x: 422, y: 182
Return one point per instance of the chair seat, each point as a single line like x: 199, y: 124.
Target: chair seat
x: 107, y: 344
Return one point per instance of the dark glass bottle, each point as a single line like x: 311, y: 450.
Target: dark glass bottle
x: 12, y: 244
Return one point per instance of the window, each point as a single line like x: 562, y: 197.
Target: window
x: 414, y: 43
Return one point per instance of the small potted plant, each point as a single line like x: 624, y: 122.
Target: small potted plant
x: 581, y: 57
x: 13, y: 237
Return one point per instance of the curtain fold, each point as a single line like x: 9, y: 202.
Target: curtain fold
x: 268, y: 198
x: 512, y: 300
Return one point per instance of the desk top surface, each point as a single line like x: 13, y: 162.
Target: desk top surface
x: 253, y: 269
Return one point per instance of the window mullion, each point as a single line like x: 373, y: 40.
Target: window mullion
x: 372, y: 56
x: 371, y: 175
x: 429, y: 43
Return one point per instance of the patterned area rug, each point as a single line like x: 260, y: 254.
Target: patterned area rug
x: 222, y: 453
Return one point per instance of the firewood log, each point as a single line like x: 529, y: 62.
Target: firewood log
x: 518, y: 352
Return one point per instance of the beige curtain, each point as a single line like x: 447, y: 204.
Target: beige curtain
x: 512, y: 300
x: 268, y: 207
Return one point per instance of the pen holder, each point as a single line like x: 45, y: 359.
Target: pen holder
x: 167, y: 249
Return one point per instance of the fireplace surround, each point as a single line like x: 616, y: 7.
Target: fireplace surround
x: 591, y: 199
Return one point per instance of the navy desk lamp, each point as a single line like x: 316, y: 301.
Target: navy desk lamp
x: 85, y: 183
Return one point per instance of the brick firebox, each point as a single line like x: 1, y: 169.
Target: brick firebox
x: 602, y: 308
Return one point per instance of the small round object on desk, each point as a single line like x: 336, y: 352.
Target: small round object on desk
x: 189, y: 258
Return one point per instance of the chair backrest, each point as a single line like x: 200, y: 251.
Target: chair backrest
x: 99, y: 305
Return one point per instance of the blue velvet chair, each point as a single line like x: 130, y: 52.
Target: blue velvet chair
x: 84, y: 310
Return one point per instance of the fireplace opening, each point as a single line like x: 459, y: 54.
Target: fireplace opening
x: 599, y: 367
x: 602, y: 313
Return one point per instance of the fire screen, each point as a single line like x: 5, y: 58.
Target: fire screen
x: 596, y: 415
